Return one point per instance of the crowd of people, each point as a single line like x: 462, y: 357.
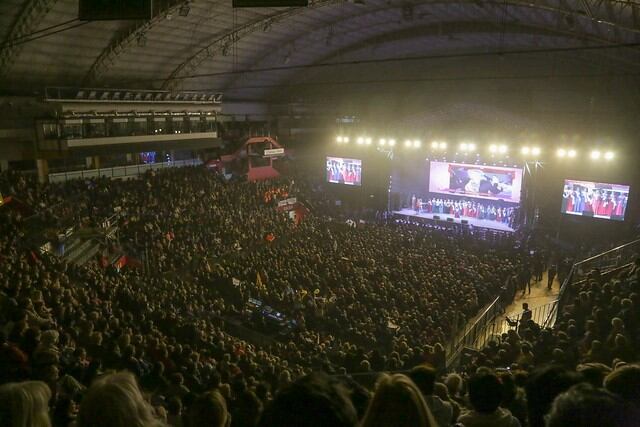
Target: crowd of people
x: 464, y: 208
x: 99, y: 347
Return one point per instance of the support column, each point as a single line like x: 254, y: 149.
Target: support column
x: 4, y: 165
x: 92, y: 162
x: 43, y: 170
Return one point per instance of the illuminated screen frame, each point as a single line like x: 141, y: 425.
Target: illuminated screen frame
x: 468, y: 180
x: 577, y: 199
x: 354, y: 180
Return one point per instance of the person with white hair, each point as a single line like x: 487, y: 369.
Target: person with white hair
x: 114, y: 400
x: 25, y: 404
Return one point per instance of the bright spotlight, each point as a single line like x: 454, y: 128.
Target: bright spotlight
x: 609, y: 155
x: 339, y: 139
x: 535, y: 151
x: 571, y: 153
x: 442, y: 145
x: 408, y: 143
x: 434, y: 144
x: 417, y: 143
x: 464, y: 146
x: 382, y: 141
x: 368, y: 141
x: 526, y: 150
x: 562, y: 152
x: 360, y: 140
x: 493, y: 148
x: 595, y: 154
x: 392, y: 142
x: 471, y: 147
x: 345, y: 139
x: 502, y: 149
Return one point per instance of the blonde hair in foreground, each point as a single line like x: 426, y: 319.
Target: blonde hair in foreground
x: 25, y: 404
x: 397, y: 402
x: 114, y: 400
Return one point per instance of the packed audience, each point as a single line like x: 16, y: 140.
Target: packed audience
x: 92, y: 346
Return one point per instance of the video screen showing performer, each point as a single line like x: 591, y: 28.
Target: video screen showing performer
x: 488, y: 182
x: 595, y: 199
x: 344, y: 171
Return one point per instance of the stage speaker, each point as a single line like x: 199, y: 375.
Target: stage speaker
x: 464, y: 221
x: 449, y: 219
x: 436, y: 217
x: 270, y: 3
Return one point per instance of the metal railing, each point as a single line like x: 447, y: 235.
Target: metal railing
x: 120, y: 171
x: 604, y: 262
x: 474, y: 335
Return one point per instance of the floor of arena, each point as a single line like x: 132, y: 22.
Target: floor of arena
x: 483, y: 223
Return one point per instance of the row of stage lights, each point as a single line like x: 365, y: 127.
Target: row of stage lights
x: 470, y: 147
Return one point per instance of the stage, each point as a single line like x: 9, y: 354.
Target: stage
x: 450, y: 219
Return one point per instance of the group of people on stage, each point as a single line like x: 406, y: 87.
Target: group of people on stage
x: 344, y: 172
x: 464, y: 209
x: 588, y: 201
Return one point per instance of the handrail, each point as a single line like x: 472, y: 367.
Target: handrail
x: 456, y: 346
x: 609, y: 251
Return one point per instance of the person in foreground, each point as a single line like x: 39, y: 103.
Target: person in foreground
x: 485, y: 395
x: 397, y: 402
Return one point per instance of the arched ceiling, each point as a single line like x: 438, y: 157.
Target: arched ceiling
x: 248, y: 52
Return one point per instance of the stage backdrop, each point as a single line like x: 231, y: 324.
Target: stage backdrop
x: 595, y: 199
x: 485, y: 182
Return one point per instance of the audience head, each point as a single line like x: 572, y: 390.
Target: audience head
x: 485, y: 392
x: 543, y: 386
x: 625, y: 382
x: 25, y: 404
x: 114, y: 400
x: 397, y: 402
x: 585, y: 406
x: 312, y: 401
x: 209, y: 410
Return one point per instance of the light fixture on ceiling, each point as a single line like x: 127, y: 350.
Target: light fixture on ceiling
x: 141, y: 40
x: 184, y: 9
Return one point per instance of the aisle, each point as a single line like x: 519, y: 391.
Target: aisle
x: 539, y: 297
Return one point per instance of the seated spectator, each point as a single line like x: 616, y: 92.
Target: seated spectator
x: 542, y: 388
x: 114, y: 400
x: 585, y: 406
x: 311, y: 401
x: 425, y: 378
x: 397, y: 402
x: 625, y: 382
x: 25, y: 404
x: 209, y: 410
x: 485, y: 395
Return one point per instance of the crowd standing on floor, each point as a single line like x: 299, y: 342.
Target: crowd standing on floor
x: 92, y: 346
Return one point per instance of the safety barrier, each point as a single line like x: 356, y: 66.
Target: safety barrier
x: 120, y: 172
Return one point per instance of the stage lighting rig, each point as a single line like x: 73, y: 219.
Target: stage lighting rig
x: 609, y: 155
x: 572, y: 153
x: 360, y: 140
x: 417, y: 143
x: 367, y: 141
x: 392, y: 143
x: 596, y: 154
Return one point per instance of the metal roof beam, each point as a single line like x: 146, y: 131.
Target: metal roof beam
x: 109, y: 55
x: 27, y: 22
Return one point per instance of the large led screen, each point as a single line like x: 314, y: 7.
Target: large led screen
x: 344, y: 171
x: 595, y: 199
x: 485, y: 182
